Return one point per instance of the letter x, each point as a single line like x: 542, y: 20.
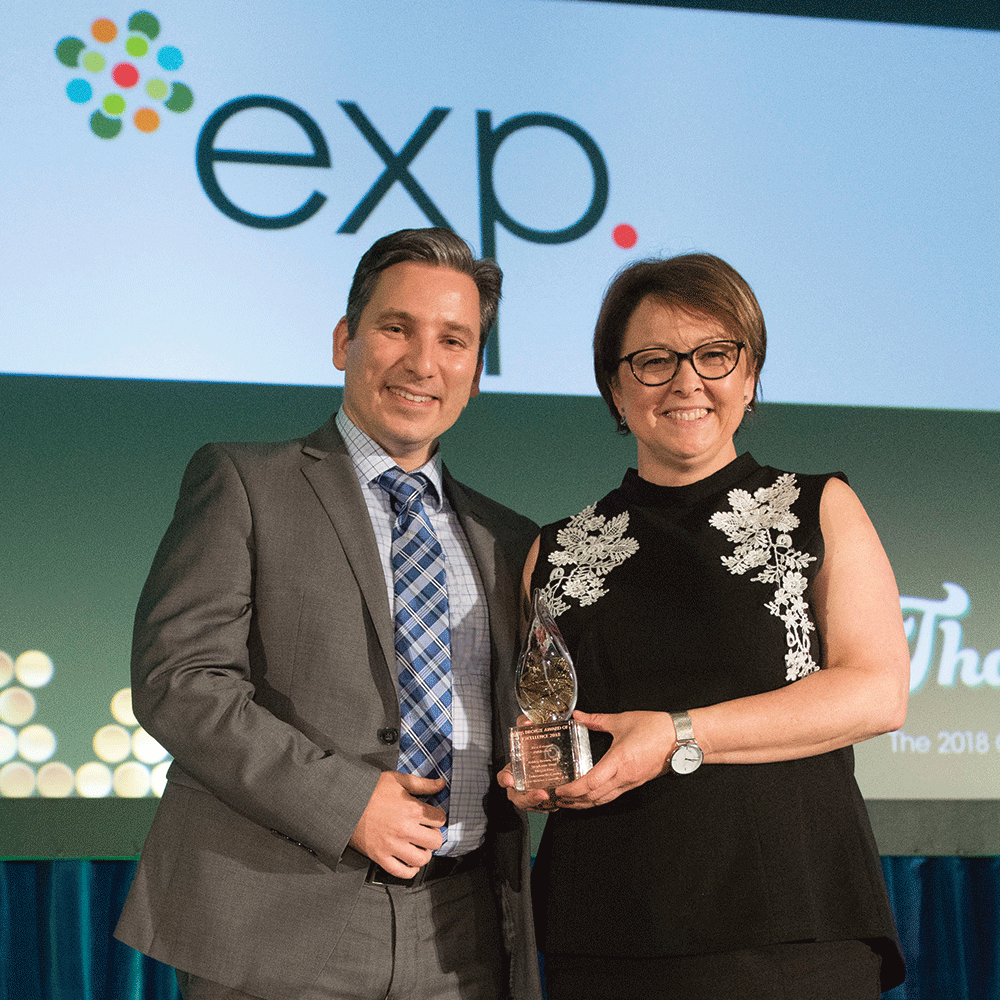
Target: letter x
x: 395, y: 167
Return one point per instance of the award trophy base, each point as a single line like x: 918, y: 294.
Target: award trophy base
x: 549, y: 754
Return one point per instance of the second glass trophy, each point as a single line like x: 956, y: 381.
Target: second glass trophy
x: 552, y: 749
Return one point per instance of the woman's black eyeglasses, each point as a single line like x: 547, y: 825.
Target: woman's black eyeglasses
x: 657, y: 365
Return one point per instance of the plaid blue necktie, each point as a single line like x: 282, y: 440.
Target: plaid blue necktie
x: 423, y: 641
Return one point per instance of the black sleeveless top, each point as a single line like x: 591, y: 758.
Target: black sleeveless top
x: 674, y: 598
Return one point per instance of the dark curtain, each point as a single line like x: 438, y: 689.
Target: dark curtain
x: 948, y: 915
x: 56, y: 919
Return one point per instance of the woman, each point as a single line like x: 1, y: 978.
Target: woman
x: 735, y: 629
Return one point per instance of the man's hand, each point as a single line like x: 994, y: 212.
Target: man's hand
x: 533, y: 800
x: 397, y: 830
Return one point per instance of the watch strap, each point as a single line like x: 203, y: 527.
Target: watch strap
x: 682, y: 725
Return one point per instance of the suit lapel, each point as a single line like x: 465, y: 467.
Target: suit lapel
x: 335, y: 482
x: 481, y: 539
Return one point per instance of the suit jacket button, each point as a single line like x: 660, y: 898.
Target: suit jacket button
x: 388, y: 736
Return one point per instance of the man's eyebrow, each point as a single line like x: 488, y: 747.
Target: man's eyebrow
x: 459, y: 327
x: 388, y: 314
x: 406, y: 317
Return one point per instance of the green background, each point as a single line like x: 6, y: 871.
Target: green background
x: 89, y: 472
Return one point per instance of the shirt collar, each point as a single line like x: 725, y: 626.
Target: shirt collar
x: 371, y: 460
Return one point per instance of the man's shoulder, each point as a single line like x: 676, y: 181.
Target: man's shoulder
x: 490, y: 512
x: 318, y: 444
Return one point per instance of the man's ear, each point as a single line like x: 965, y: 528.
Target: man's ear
x: 474, y: 390
x: 340, y: 339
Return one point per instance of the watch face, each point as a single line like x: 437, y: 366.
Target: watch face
x: 686, y: 758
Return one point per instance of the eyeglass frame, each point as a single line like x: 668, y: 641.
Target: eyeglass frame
x: 684, y: 356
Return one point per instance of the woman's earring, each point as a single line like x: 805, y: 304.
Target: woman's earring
x: 622, y: 422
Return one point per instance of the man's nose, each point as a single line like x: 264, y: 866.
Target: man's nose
x: 420, y: 355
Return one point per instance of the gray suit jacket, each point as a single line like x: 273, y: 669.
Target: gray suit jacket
x: 263, y: 660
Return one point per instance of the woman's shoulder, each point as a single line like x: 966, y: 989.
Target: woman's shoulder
x: 769, y: 474
x: 769, y: 485
x: 577, y: 552
x: 587, y: 518
x: 772, y: 497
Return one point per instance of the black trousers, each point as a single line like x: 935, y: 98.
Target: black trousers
x: 823, y: 970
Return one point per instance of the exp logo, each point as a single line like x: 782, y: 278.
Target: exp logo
x: 134, y: 77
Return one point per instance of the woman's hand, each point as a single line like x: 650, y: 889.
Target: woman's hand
x: 640, y: 751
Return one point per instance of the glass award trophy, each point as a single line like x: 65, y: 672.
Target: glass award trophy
x: 553, y: 749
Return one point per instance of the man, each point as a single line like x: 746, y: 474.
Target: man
x: 323, y: 833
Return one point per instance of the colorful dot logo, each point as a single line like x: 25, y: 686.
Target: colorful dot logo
x: 125, y: 78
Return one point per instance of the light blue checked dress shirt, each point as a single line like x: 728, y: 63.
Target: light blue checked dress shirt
x: 471, y: 713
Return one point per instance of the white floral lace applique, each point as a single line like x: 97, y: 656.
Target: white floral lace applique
x: 759, y: 526
x: 592, y: 546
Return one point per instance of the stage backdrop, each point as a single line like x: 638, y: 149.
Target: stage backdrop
x: 187, y: 189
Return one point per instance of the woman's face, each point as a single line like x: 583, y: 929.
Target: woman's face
x: 685, y: 428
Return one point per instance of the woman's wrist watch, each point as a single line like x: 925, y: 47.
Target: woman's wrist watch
x: 687, y: 755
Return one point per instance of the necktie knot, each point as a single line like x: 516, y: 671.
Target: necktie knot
x: 405, y: 489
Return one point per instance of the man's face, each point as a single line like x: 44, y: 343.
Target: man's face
x: 414, y: 362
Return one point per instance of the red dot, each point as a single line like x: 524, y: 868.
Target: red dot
x: 625, y: 236
x: 125, y: 75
